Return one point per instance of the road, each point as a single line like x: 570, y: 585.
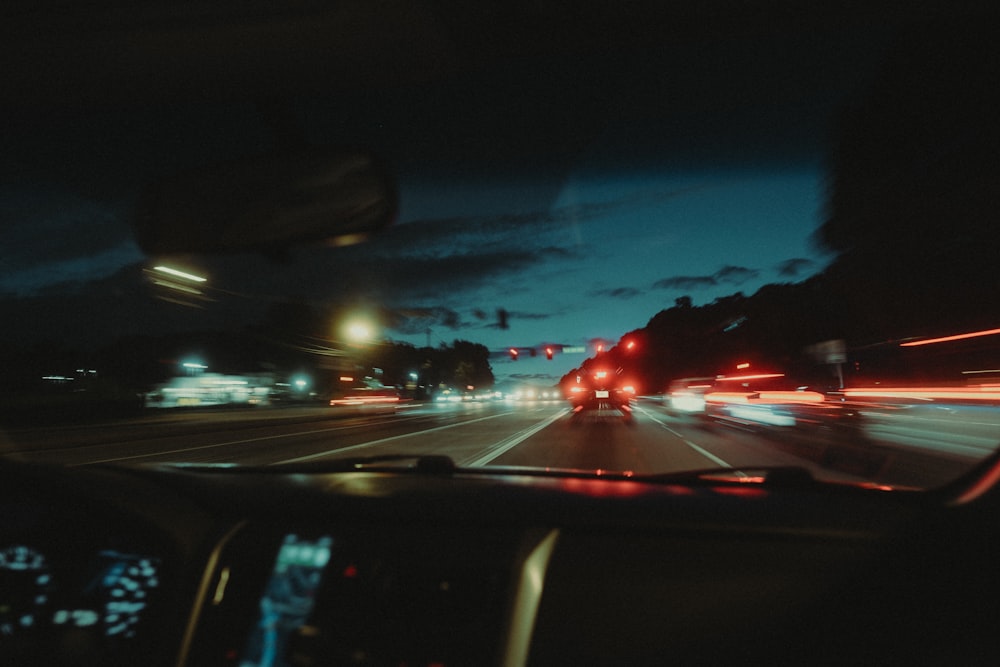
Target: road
x: 535, y: 434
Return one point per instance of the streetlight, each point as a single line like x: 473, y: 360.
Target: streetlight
x: 358, y: 331
x: 177, y: 273
x: 194, y: 367
x: 178, y: 286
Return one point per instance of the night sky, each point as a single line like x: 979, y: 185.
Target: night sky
x: 580, y: 193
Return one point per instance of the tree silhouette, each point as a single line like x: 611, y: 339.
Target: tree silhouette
x: 914, y: 189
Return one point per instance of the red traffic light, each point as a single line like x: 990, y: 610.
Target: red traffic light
x: 513, y: 353
x: 548, y: 353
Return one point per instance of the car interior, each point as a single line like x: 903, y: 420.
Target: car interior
x: 411, y: 559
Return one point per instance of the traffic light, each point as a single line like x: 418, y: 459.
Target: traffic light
x: 513, y: 354
x: 548, y: 353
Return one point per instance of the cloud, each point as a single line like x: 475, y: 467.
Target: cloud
x: 728, y: 274
x: 70, y: 273
x: 50, y: 226
x: 428, y: 258
x: 51, y: 237
x: 375, y: 275
x: 686, y: 282
x: 418, y: 320
x: 792, y: 268
x: 617, y: 292
x: 735, y: 275
x: 481, y: 246
x: 504, y: 321
x: 506, y: 224
x: 61, y: 237
x: 434, y: 275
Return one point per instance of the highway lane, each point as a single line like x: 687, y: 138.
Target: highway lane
x: 541, y: 434
x: 655, y: 442
x: 250, y: 437
x: 264, y: 437
x: 970, y: 431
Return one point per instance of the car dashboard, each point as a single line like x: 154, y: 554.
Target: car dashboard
x: 174, y: 565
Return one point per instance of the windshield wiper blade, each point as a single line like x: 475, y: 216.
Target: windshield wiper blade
x: 432, y: 464
x: 784, y: 476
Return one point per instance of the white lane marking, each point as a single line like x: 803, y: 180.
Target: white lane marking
x: 384, y: 440
x: 514, y: 440
x: 707, y: 454
x: 214, y: 444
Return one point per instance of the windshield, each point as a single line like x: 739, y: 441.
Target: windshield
x: 602, y: 240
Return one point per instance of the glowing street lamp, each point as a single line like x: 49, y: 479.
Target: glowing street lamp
x: 194, y: 367
x: 177, y: 273
x: 359, y: 331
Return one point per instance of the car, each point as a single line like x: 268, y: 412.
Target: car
x: 219, y: 217
x: 601, y: 389
x: 367, y: 399
x: 687, y: 395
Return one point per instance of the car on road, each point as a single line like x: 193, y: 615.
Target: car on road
x: 601, y: 389
x: 367, y: 399
x: 687, y: 395
x: 218, y: 199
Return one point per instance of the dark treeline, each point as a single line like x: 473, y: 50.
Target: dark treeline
x: 913, y: 194
x: 914, y: 190
x: 54, y: 380
x: 138, y: 362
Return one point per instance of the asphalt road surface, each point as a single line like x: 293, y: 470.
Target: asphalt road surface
x: 534, y: 434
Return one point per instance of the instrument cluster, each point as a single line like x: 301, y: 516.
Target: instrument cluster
x: 61, y: 596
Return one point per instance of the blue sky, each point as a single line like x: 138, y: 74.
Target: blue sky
x: 586, y: 256
x: 581, y: 196
x: 624, y: 248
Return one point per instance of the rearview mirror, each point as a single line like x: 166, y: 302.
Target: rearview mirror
x: 267, y: 204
